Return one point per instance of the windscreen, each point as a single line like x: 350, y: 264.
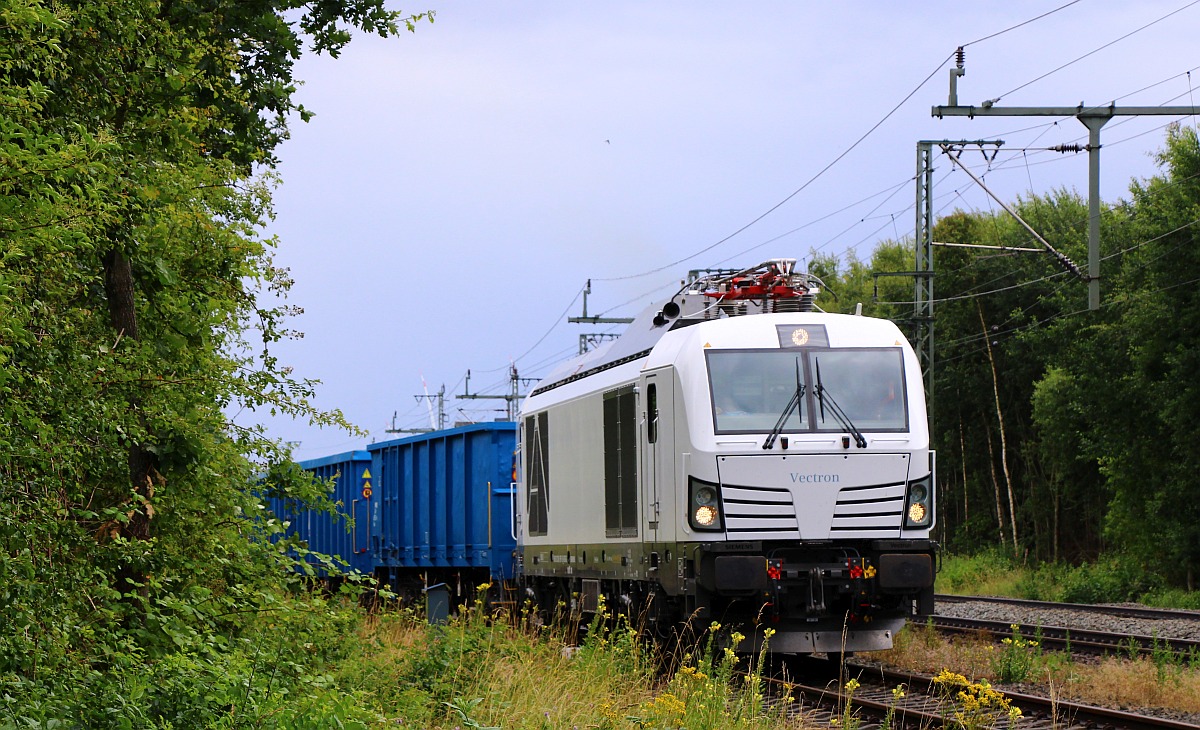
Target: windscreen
x: 752, y: 389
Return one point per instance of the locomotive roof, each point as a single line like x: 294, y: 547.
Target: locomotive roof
x: 635, y: 343
x: 709, y: 294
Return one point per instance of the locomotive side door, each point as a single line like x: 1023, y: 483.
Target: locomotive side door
x: 659, y: 448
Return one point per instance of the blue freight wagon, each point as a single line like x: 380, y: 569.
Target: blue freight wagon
x: 324, y: 533
x: 443, y: 508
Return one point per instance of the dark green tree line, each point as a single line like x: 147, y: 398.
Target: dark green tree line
x: 1063, y: 433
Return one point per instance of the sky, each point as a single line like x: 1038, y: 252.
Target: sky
x: 458, y: 186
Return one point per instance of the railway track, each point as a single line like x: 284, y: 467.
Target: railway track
x: 1077, y: 641
x: 1160, y: 623
x: 909, y: 700
x: 922, y: 703
x: 1145, y: 612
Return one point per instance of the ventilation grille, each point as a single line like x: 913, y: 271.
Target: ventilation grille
x: 758, y: 509
x: 875, y: 511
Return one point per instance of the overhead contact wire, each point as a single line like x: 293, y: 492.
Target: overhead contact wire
x: 798, y: 190
x: 1018, y: 25
x: 1097, y: 50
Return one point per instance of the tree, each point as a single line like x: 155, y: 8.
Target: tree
x: 136, y: 143
x: 193, y: 94
x: 1150, y: 463
x: 990, y: 367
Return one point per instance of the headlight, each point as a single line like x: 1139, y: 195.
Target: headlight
x: 918, y: 511
x: 704, y: 505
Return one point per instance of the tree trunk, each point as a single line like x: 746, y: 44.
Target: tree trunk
x: 1057, y: 508
x: 119, y: 289
x: 962, y: 448
x: 1012, y: 509
x: 995, y: 483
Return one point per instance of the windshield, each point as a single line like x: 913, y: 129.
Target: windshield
x: 751, y: 388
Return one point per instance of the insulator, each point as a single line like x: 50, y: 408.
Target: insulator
x: 1066, y: 148
x: 1069, y: 265
x: 788, y: 305
x: 732, y: 309
x: 960, y: 57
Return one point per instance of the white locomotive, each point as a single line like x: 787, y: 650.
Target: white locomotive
x: 737, y: 457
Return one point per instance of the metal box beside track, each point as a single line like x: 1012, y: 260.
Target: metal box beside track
x: 444, y: 499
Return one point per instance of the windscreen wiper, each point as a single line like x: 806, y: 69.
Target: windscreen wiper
x: 859, y: 440
x: 792, y: 404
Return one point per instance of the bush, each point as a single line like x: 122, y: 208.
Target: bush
x: 986, y: 573
x: 272, y: 674
x: 1173, y: 598
x: 1112, y: 579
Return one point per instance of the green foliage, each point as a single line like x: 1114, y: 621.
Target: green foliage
x: 463, y: 708
x: 137, y: 560
x: 1112, y: 579
x: 1168, y: 666
x: 1016, y: 658
x: 711, y: 691
x: 1172, y: 598
x: 491, y: 669
x: 485, y: 669
x: 973, y: 574
x: 973, y: 704
x: 268, y: 677
x: 852, y: 282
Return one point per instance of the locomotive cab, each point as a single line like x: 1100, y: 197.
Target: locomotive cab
x: 806, y: 501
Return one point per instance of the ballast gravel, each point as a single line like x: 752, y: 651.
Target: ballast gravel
x: 1174, y: 628
x: 1184, y: 627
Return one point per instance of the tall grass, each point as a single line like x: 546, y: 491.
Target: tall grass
x: 988, y: 573
x: 491, y: 670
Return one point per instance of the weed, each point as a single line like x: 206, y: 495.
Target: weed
x: 463, y: 709
x: 1016, y: 657
x: 1112, y: 680
x: 1193, y: 658
x: 710, y: 692
x: 1132, y: 649
x: 890, y: 717
x: 976, y: 704
x: 991, y: 572
x: 1167, y: 664
x: 847, y: 717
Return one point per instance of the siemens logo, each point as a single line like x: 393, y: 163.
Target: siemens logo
x: 814, y: 478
